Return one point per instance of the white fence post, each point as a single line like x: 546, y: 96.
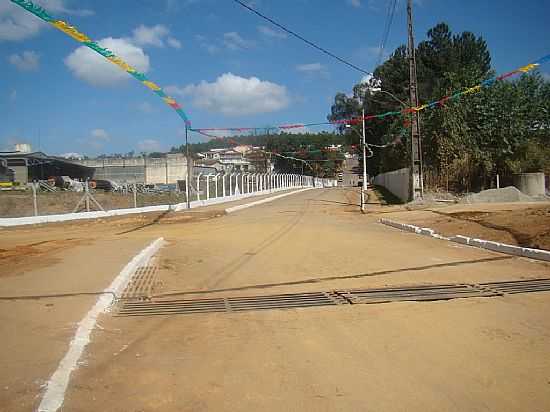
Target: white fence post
x: 242, y: 184
x: 223, y: 185
x: 199, y: 186
x: 207, y: 187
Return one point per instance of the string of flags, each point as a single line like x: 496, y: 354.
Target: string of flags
x: 404, y: 112
x: 170, y: 101
x: 106, y: 53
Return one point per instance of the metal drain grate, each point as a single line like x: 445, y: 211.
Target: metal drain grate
x: 519, y: 286
x: 230, y: 304
x: 142, y: 284
x: 333, y: 298
x: 416, y: 293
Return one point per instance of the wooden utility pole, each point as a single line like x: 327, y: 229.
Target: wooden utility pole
x: 416, y: 180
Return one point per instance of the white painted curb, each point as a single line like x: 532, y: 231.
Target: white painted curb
x: 538, y: 254
x: 259, y: 202
x: 56, y: 387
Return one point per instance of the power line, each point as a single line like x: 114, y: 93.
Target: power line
x: 387, y: 27
x: 246, y: 6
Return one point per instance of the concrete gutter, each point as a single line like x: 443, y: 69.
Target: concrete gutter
x: 538, y: 254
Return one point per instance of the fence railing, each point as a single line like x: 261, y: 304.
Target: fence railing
x: 204, y: 189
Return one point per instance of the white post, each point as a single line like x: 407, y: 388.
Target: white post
x: 34, y: 202
x: 87, y: 188
x: 230, y: 186
x: 207, y: 187
x: 199, y: 186
x: 242, y: 184
x: 135, y: 193
x: 216, y: 183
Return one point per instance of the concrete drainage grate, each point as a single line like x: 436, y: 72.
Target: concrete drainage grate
x: 332, y: 298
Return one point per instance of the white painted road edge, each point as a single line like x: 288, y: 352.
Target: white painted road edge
x: 259, y: 202
x: 538, y: 254
x: 56, y: 387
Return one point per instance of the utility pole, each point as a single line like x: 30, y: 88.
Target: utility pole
x: 364, y: 144
x: 188, y: 164
x: 416, y: 190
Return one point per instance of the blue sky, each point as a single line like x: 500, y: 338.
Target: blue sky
x: 223, y: 64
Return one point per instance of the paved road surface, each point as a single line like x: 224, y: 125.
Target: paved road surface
x: 477, y: 354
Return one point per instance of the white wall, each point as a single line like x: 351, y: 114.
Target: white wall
x: 396, y: 181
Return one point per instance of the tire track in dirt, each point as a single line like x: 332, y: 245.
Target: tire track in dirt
x: 247, y: 256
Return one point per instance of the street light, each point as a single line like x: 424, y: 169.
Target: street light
x: 402, y: 103
x: 364, y: 148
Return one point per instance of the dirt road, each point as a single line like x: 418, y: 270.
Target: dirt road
x: 475, y: 354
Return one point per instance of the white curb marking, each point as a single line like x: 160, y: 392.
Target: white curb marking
x: 259, y: 202
x: 538, y: 254
x: 57, y: 385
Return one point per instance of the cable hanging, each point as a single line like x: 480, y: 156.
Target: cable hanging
x: 292, y: 33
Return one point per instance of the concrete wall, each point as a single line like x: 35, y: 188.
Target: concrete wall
x: 396, y: 181
x: 531, y: 184
x: 164, y: 170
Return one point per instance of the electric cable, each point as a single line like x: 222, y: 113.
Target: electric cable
x: 387, y: 27
x: 292, y: 33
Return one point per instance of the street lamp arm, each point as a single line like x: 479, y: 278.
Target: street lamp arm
x: 402, y: 103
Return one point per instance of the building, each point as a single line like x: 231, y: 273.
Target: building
x: 6, y: 174
x: 225, y: 160
x: 147, y: 170
x: 28, y: 166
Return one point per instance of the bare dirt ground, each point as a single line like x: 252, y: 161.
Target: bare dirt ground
x: 20, y: 204
x: 477, y: 354
x: 522, y: 224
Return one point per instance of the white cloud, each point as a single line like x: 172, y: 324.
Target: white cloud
x: 26, y: 61
x: 145, y: 107
x: 233, y: 95
x: 17, y: 24
x: 206, y: 44
x: 72, y: 155
x: 313, y: 69
x: 100, y: 134
x: 172, y: 42
x: 91, y: 67
x: 233, y: 41
x: 150, y: 36
x: 355, y: 3
x: 97, y: 139
x: 269, y: 32
x: 149, y: 145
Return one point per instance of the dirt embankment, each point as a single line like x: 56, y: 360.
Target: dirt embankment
x: 527, y: 226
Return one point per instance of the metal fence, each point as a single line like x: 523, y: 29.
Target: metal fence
x: 203, y: 189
